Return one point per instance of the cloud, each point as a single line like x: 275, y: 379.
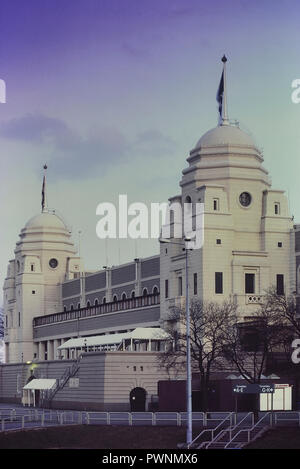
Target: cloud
x: 39, y: 129
x: 155, y: 143
x: 72, y: 155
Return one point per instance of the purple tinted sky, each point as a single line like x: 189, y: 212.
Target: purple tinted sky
x: 114, y: 93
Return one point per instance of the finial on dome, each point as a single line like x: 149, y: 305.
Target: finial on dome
x: 44, y: 201
x: 222, y: 96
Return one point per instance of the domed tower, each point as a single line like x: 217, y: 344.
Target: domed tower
x: 247, y: 226
x: 44, y: 258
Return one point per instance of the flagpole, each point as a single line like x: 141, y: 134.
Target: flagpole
x: 44, y: 201
x: 225, y: 120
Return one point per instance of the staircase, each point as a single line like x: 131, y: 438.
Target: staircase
x: 226, y: 435
x: 69, y: 372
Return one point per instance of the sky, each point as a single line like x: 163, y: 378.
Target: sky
x: 113, y: 94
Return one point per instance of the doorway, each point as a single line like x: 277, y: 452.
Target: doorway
x: 137, y: 400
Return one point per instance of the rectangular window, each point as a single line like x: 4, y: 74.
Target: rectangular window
x: 280, y: 284
x: 195, y: 284
x: 180, y: 286
x: 249, y: 283
x: 219, y: 282
x: 166, y: 288
x: 216, y: 204
x: 19, y: 319
x: 276, y: 208
x: 32, y: 267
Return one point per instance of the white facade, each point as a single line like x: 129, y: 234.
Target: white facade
x: 44, y: 257
x: 247, y: 226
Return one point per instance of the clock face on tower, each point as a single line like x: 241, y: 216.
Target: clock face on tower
x: 245, y: 199
x: 53, y: 263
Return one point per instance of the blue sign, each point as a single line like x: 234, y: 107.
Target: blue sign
x: 253, y: 388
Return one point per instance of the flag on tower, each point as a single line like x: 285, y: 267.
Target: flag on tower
x: 43, y: 189
x: 43, y: 194
x: 220, y: 93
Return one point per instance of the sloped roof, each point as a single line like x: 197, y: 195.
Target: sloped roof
x: 140, y: 333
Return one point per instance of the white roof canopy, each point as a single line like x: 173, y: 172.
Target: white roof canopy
x: 40, y: 384
x: 140, y: 333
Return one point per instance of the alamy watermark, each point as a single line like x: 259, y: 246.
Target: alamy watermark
x: 2, y: 91
x: 163, y: 220
x: 295, y: 96
x: 296, y: 352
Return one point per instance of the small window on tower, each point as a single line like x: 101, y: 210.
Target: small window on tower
x: 280, y: 244
x: 219, y: 241
x: 32, y: 267
x: 33, y: 292
x: 249, y: 283
x: 219, y: 282
x: 216, y: 204
x: 280, y: 284
x: 166, y: 289
x: 179, y: 286
x: 195, y: 284
x: 277, y: 208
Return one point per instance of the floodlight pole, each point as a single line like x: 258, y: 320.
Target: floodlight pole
x: 189, y: 430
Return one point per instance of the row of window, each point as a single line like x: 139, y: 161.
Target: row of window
x: 216, y: 206
x: 124, y: 297
x: 249, y: 284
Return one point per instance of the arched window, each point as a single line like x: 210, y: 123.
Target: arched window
x: 115, y: 298
x: 124, y: 296
x: 155, y: 290
x: 145, y: 292
x: 78, y: 306
x: 96, y: 302
x: 104, y: 301
x: 71, y: 307
x: 88, y: 304
x: 65, y: 308
x: 133, y: 294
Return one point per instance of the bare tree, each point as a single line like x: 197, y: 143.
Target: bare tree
x: 284, y: 307
x: 250, y: 344
x: 208, y: 325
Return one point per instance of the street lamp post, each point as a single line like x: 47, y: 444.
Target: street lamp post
x: 189, y: 431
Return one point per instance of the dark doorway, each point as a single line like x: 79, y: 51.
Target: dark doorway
x: 137, y: 400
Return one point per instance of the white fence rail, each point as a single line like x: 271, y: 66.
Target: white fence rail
x: 210, y: 423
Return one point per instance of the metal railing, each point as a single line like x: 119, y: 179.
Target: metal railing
x: 231, y: 430
x: 88, y: 311
x: 20, y: 418
x: 249, y: 431
x: 69, y: 372
x: 212, y: 431
x: 147, y: 418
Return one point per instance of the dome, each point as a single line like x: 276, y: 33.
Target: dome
x: 225, y: 135
x: 46, y: 220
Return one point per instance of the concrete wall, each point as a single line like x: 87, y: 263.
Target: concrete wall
x: 105, y: 380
